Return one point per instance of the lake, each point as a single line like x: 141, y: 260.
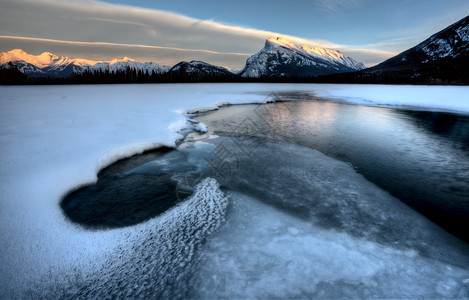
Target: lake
x: 319, y: 195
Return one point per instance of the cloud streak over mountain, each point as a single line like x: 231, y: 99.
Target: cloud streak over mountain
x: 100, y: 30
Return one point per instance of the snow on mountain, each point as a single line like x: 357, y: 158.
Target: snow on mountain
x: 232, y: 70
x: 199, y: 68
x: 333, y: 56
x: 283, y: 58
x: 450, y: 43
x: 48, y: 64
x: 42, y: 60
x: 122, y: 64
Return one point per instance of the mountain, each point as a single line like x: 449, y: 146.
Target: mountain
x: 198, y: 70
x: 282, y: 58
x: 452, y: 42
x: 443, y: 58
x: 50, y: 65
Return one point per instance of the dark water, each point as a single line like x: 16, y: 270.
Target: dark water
x: 119, y: 199
x: 137, y: 189
x: 421, y: 157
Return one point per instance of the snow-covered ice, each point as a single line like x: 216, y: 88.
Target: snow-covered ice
x: 452, y: 98
x: 55, y: 138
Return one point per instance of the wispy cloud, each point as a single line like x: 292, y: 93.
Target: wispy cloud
x: 105, y: 51
x: 91, y: 26
x: 336, y: 5
x: 77, y: 43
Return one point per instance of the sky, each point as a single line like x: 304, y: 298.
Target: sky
x: 221, y: 32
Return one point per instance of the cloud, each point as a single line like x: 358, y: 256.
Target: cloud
x: 105, y: 51
x: 91, y: 26
x: 335, y: 5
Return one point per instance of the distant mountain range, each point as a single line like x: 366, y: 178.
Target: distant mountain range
x: 51, y: 65
x: 441, y: 59
x: 279, y: 58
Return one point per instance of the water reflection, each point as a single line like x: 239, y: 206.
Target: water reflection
x: 420, y: 157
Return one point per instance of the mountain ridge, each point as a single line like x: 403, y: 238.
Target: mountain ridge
x: 48, y: 64
x: 283, y: 58
x: 289, y: 60
x: 443, y: 58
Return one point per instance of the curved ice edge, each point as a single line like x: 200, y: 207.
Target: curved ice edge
x: 154, y: 256
x: 176, y: 127
x: 126, y: 151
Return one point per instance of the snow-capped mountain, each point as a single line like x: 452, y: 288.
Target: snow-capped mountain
x: 282, y: 58
x: 199, y: 68
x: 450, y: 43
x: 48, y: 64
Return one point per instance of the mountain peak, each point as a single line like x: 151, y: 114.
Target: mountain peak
x: 199, y: 68
x: 118, y: 60
x: 16, y: 55
x: 281, y: 57
x: 17, y: 52
x: 47, y: 56
x: 282, y: 42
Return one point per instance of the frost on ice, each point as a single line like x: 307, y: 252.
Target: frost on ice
x: 154, y: 259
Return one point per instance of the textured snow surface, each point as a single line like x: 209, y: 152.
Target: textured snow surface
x: 55, y: 138
x: 151, y: 259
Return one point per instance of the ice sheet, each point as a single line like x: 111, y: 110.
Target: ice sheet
x: 55, y: 138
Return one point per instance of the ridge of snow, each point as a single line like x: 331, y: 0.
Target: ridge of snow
x: 282, y: 42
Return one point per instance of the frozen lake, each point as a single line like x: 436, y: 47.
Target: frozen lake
x: 257, y: 212
x: 290, y: 205
x: 421, y: 157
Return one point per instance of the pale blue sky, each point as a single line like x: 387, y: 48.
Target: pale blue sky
x: 350, y: 22
x: 219, y: 31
